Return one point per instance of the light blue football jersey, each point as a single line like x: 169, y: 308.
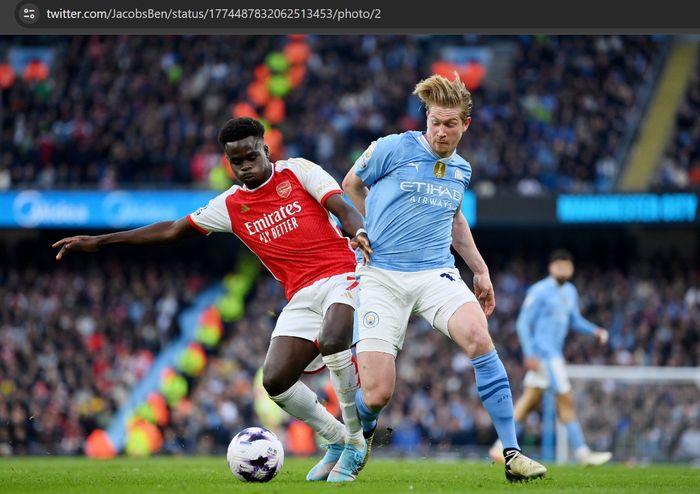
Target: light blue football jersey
x: 547, y: 313
x: 413, y: 198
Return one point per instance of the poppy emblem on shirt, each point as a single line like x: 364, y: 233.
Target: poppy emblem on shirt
x: 284, y: 189
x: 439, y: 169
x: 244, y: 208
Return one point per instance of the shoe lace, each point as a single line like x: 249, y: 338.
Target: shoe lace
x: 511, y: 456
x: 357, y: 456
x: 356, y: 461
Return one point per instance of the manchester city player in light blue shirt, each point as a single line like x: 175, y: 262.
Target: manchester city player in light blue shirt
x: 410, y: 187
x: 550, y: 308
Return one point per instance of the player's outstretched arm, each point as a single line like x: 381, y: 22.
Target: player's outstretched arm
x: 526, y: 318
x: 583, y: 325
x: 162, y: 232
x: 356, y: 190
x: 352, y: 222
x: 463, y: 243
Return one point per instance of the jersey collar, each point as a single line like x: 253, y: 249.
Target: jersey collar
x: 262, y: 184
x: 554, y: 282
x: 424, y: 142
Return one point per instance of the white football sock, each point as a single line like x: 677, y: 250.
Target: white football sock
x: 345, y: 383
x: 302, y: 403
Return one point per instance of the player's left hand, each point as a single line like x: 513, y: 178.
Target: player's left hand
x: 602, y: 335
x: 362, y: 241
x: 483, y: 289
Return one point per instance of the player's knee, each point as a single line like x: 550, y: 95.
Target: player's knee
x: 329, y: 344
x: 565, y: 407
x: 335, y: 336
x: 274, y: 383
x: 479, y: 341
x: 566, y: 414
x: 566, y: 400
x: 469, y: 329
x: 377, y: 397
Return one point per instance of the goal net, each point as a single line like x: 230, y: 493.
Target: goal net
x: 641, y: 414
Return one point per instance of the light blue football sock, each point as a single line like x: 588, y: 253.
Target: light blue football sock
x: 368, y: 417
x: 494, y: 391
x: 575, y: 434
x: 519, y: 427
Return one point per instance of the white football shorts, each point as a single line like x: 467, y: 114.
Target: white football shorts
x: 388, y: 298
x: 303, y: 315
x: 552, y: 373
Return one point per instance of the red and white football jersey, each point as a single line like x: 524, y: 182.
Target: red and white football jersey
x: 284, y: 223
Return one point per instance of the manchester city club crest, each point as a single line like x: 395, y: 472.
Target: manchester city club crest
x: 370, y: 320
x: 439, y: 169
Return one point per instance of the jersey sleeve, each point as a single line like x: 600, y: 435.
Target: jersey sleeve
x: 467, y: 175
x: 317, y: 181
x: 213, y: 217
x: 526, y: 319
x: 377, y: 161
x: 578, y: 322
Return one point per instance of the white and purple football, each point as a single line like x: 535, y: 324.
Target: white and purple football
x: 255, y: 455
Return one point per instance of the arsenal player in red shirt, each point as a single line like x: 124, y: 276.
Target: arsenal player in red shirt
x: 282, y: 213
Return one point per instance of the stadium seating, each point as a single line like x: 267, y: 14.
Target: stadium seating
x: 551, y: 114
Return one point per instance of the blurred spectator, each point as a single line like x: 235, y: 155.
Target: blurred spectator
x: 446, y: 415
x: 680, y: 167
x: 130, y: 111
x: 76, y: 341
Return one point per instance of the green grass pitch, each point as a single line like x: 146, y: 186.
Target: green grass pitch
x: 194, y: 475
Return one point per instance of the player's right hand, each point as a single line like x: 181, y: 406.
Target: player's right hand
x: 531, y: 363
x: 83, y: 243
x: 602, y: 335
x: 483, y: 289
x: 362, y: 241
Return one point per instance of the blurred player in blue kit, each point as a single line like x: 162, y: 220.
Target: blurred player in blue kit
x: 550, y: 308
x: 410, y: 188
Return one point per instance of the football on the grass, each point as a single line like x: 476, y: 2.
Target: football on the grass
x: 255, y: 455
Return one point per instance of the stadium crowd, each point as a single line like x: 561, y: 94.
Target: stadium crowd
x: 680, y: 167
x: 75, y: 340
x: 647, y: 328
x: 74, y: 343
x: 551, y: 114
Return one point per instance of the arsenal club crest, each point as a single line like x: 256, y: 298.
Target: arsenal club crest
x: 284, y: 189
x: 439, y: 169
